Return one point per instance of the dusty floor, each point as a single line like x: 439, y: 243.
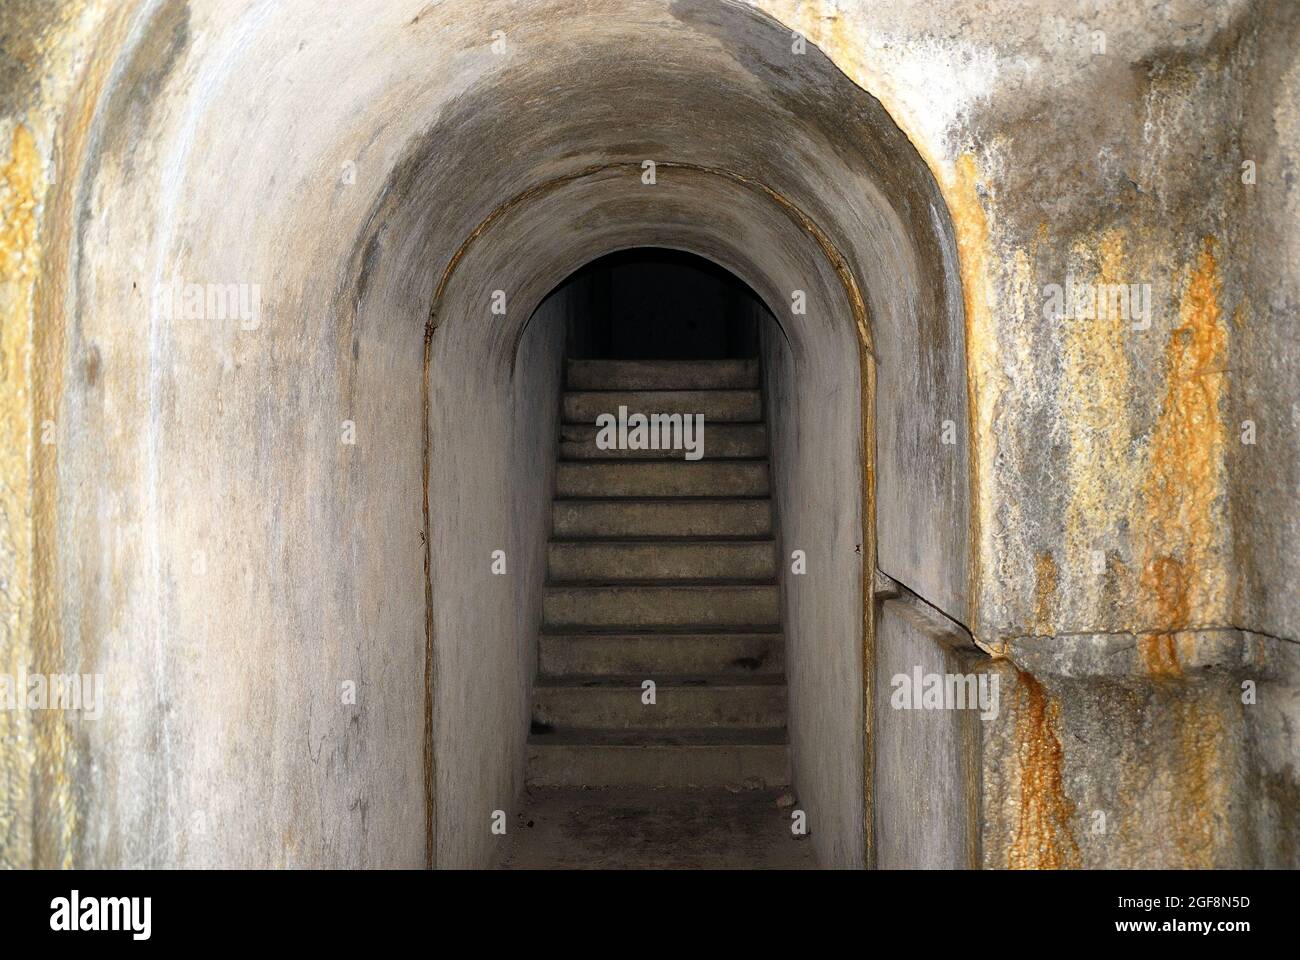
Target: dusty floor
x: 642, y: 828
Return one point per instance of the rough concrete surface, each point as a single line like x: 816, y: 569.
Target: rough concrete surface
x: 233, y: 518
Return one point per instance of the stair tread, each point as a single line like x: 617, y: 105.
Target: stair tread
x: 686, y: 498
x: 702, y: 464
x: 702, y: 682
x: 665, y: 540
x: 694, y: 583
x: 736, y: 373
x: 614, y: 632
x: 706, y: 498
x: 706, y: 737
x: 733, y: 426
x: 673, y: 456
x: 640, y: 391
x: 720, y: 405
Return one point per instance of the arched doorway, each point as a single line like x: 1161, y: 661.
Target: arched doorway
x: 659, y: 725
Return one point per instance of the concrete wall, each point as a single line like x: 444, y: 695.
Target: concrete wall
x: 1110, y: 752
x: 813, y: 409
x: 927, y: 772
x: 340, y: 161
x: 492, y: 437
x: 1264, y: 477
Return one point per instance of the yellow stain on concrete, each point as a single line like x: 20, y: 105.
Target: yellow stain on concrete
x: 71, y: 52
x: 986, y: 381
x: 21, y: 186
x: 1094, y: 404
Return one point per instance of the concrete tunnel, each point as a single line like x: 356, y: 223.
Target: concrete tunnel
x: 273, y: 531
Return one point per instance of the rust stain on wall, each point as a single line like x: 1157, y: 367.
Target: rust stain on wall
x: 1159, y: 654
x: 1045, y: 584
x: 1043, y: 839
x: 1180, y: 579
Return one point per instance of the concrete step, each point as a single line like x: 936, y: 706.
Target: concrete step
x: 661, y: 374
x: 662, y: 518
x: 610, y: 560
x: 715, y: 405
x: 649, y: 655
x: 615, y: 703
x: 647, y: 606
x: 721, y: 441
x: 670, y: 758
x: 661, y: 478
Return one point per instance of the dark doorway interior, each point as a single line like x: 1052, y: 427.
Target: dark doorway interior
x: 650, y: 303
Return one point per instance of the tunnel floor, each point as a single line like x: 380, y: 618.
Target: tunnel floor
x: 572, y: 828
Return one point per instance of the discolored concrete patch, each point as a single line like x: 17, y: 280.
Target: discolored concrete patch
x: 645, y: 828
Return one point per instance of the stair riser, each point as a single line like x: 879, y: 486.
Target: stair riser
x: 620, y: 708
x: 665, y: 375
x: 640, y: 608
x: 662, y: 479
x: 631, y: 520
x: 715, y: 405
x: 662, y: 561
x: 657, y: 766
x: 662, y: 655
x: 729, y: 440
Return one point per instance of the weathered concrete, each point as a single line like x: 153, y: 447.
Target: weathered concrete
x: 180, y: 511
x: 1109, y: 749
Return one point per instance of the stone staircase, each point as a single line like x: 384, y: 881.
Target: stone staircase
x: 661, y: 569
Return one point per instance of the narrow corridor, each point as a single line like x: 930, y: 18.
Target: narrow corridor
x: 661, y: 658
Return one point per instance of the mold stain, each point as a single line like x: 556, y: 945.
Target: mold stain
x: 1043, y: 839
x: 1180, y: 579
